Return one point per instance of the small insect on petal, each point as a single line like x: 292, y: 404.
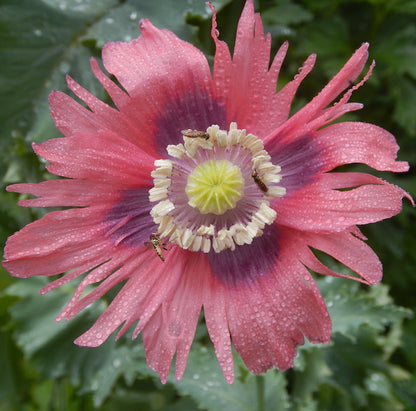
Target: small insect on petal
x: 195, y: 134
x: 157, y: 244
x: 259, y: 182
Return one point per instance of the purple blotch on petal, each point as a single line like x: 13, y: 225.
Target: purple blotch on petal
x: 196, y: 110
x: 247, y: 262
x: 129, y: 221
x: 300, y: 161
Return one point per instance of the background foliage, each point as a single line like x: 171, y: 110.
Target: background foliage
x: 371, y: 361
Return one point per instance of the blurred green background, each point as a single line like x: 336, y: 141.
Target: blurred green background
x: 371, y: 361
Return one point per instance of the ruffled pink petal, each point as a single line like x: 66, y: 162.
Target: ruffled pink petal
x: 69, y: 116
x: 346, y: 247
x: 71, y: 275
x: 215, y: 314
x: 246, y: 83
x: 300, y: 297
x: 316, y: 114
x: 58, y: 242
x: 323, y: 207
x: 350, y: 251
x: 119, y: 97
x: 118, y: 122
x: 282, y: 101
x: 75, y: 193
x: 156, y: 65
x: 99, y: 156
x: 148, y: 286
x: 355, y: 142
x: 169, y: 82
x: 110, y: 273
x: 341, y: 107
x: 168, y: 307
x: 267, y: 320
x: 262, y: 334
x: 72, y: 118
x: 108, y: 115
x: 172, y: 328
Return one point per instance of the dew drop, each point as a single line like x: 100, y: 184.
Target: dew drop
x: 64, y: 67
x: 116, y: 363
x: 133, y: 15
x: 37, y: 32
x: 175, y: 328
x: 375, y: 377
x: 109, y: 20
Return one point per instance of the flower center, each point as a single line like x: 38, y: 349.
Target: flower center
x: 215, y: 186
x: 216, y: 190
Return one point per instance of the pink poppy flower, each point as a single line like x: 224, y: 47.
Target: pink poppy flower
x: 213, y: 166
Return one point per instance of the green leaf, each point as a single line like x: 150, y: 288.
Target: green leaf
x: 50, y: 344
x: 395, y: 47
x: 281, y: 18
x: 204, y: 382
x: 121, y: 23
x: 350, y: 309
x: 8, y: 383
x: 360, y: 371
x: 38, y: 40
x: 285, y: 13
x: 404, y: 93
x: 332, y: 50
x: 353, y: 371
x: 406, y: 390
x: 122, y: 361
